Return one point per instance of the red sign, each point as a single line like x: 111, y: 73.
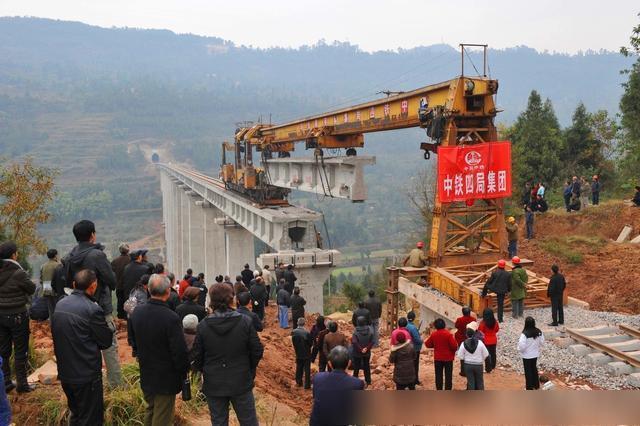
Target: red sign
x: 474, y: 171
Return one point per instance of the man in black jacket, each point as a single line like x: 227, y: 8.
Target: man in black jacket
x: 132, y: 272
x: 80, y: 332
x: 247, y: 275
x: 555, y: 292
x: 244, y: 302
x: 88, y: 254
x: 15, y: 290
x: 297, y: 306
x: 118, y: 264
x: 302, y: 343
x: 162, y: 352
x: 372, y: 303
x: 227, y: 351
x: 290, y: 279
x: 259, y: 296
x: 500, y: 283
x: 361, y: 311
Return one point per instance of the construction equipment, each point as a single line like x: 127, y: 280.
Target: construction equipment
x: 457, y: 112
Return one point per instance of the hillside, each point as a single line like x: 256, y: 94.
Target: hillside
x: 93, y: 102
x: 598, y: 271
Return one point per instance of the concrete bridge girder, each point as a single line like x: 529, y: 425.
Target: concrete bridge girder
x: 340, y: 177
x: 202, y: 236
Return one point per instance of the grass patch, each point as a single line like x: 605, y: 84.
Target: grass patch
x: 573, y: 247
x: 123, y: 406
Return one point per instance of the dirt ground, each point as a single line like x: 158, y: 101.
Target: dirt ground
x: 608, y: 277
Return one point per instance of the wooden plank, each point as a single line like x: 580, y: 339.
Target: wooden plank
x: 604, y: 348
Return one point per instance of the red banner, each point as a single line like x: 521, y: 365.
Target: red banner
x: 474, y: 171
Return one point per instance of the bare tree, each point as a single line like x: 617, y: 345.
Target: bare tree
x: 422, y: 194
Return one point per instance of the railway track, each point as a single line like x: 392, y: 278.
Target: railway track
x: 615, y: 348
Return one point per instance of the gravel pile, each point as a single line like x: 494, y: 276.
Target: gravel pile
x: 554, y: 358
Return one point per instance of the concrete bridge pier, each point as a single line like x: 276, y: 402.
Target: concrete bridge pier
x: 239, y: 247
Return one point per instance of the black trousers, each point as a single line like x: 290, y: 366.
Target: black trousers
x: 14, y: 337
x: 322, y: 363
x: 531, y: 373
x: 362, y: 363
x: 490, y: 362
x: 86, y: 403
x: 121, y: 298
x: 303, y: 366
x: 557, y: 310
x: 445, y: 367
x: 411, y: 386
x: 416, y: 366
x: 259, y: 311
x: 500, y: 300
x: 595, y: 198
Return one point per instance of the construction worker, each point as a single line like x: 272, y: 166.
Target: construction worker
x: 512, y: 236
x: 416, y: 258
x: 500, y: 283
x: 518, y: 288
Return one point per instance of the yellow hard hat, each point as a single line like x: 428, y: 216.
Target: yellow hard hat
x: 511, y: 219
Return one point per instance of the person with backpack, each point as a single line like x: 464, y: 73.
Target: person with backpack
x: 15, y: 291
x: 489, y: 327
x: 131, y: 274
x: 362, y: 342
x: 89, y: 254
x: 519, y: 279
x: 529, y: 345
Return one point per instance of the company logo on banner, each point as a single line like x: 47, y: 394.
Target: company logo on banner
x: 474, y: 171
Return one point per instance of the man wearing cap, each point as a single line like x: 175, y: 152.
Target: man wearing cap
x: 518, y: 288
x: 500, y: 283
x: 133, y: 271
x: 416, y: 258
x: 118, y: 264
x: 512, y: 236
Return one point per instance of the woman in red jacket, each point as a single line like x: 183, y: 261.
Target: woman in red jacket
x: 489, y: 327
x: 444, y: 349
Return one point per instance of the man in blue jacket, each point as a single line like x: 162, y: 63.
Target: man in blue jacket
x: 80, y: 332
x: 416, y: 340
x: 331, y: 402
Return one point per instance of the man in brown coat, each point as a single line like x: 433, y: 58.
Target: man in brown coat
x: 333, y: 338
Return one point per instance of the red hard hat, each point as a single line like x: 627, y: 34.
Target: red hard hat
x: 420, y: 244
x: 501, y: 263
x: 515, y: 260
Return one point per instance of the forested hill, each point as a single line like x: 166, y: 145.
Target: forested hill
x: 91, y: 101
x: 289, y: 81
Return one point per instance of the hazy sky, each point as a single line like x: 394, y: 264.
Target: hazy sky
x: 555, y: 25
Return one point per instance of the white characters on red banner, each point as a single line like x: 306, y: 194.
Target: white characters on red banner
x: 464, y: 185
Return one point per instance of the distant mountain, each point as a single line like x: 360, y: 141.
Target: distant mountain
x: 95, y: 102
x: 320, y: 76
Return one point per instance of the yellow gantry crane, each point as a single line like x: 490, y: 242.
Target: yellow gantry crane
x: 460, y: 111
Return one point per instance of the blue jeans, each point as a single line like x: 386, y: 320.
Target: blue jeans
x: 513, y: 248
x: 375, y: 325
x: 5, y: 407
x: 283, y: 316
x: 529, y: 230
